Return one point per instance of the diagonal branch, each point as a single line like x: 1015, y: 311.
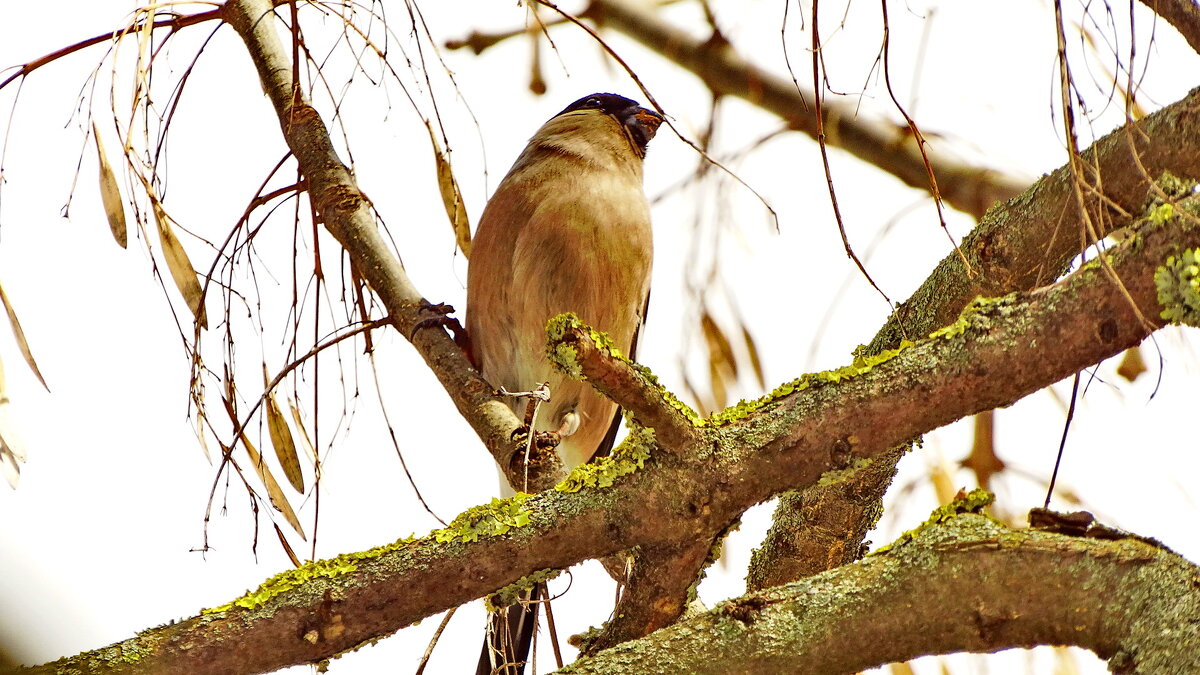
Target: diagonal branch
x: 1030, y: 240
x: 997, y: 353
x: 882, y: 143
x: 1184, y: 15
x: 346, y: 213
x: 970, y: 584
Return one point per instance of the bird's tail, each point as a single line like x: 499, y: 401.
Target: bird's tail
x: 509, y: 636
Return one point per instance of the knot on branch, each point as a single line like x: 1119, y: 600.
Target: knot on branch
x: 337, y: 198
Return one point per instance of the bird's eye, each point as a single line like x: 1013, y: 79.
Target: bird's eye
x: 593, y: 102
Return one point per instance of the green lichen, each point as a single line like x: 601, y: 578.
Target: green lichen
x: 1171, y: 190
x: 861, y: 364
x: 625, y: 459
x: 1178, y: 285
x: 1161, y: 213
x: 130, y: 651
x: 498, y: 517
x: 977, y: 307
x: 486, y: 520
x: 512, y: 593
x: 285, y: 581
x: 972, y: 502
x: 671, y: 400
x: 566, y: 357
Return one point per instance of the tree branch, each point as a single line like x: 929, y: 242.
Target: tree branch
x: 879, y: 142
x: 1184, y: 15
x: 347, y: 215
x: 1020, y: 245
x: 971, y: 585
x: 588, y: 355
x: 994, y: 355
x: 1030, y: 240
x: 823, y: 527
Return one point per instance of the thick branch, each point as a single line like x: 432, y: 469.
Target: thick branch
x: 1017, y: 246
x: 1030, y: 240
x: 347, y: 215
x: 1004, y: 351
x: 1184, y: 15
x: 655, y: 594
x: 823, y: 527
x: 884, y: 144
x: 969, y: 585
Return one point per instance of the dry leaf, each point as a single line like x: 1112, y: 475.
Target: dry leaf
x: 281, y: 438
x: 110, y: 193
x: 287, y: 548
x: 20, y: 335
x: 200, y: 432
x: 274, y: 492
x: 452, y: 197
x: 12, y: 451
x: 1132, y: 364
x: 755, y: 360
x: 177, y: 261
x: 309, y: 450
x: 722, y: 365
x: 9, y: 467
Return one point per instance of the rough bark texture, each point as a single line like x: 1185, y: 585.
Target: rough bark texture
x: 967, y: 585
x: 1020, y: 245
x: 823, y: 527
x: 1184, y: 15
x: 346, y: 213
x: 1030, y: 240
x: 997, y: 354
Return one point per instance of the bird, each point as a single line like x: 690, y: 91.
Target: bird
x: 567, y: 230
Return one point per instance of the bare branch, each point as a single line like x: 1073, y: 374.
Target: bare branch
x: 882, y: 143
x: 1030, y: 240
x: 347, y: 215
x: 1184, y: 15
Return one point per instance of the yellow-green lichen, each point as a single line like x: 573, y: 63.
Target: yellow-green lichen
x: 330, y: 568
x: 1161, y: 213
x: 670, y: 398
x: 1178, y: 285
x: 285, y: 581
x: 972, y: 502
x: 486, y: 520
x: 566, y: 358
x: 625, y: 459
x: 977, y: 306
x: 511, y: 594
x: 861, y: 365
x: 130, y: 652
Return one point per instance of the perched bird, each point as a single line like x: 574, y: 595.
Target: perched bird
x: 567, y: 230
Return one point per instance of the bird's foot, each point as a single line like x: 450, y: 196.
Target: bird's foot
x: 441, y: 318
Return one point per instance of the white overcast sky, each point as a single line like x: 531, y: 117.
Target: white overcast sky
x: 97, y: 541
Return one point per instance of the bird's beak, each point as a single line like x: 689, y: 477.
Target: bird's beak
x: 648, y: 120
x: 641, y: 124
